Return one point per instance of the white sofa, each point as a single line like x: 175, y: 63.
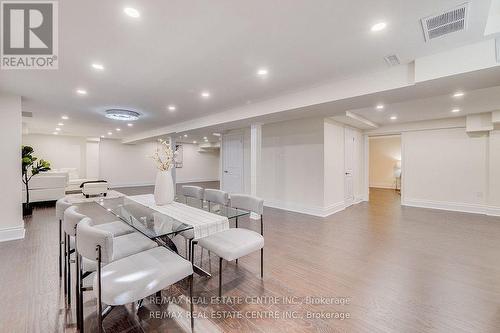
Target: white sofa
x: 73, y: 179
x: 46, y: 187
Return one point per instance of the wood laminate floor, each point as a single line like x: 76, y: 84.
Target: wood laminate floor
x: 396, y: 269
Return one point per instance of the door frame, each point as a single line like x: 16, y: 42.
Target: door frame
x: 367, y: 163
x: 222, y: 152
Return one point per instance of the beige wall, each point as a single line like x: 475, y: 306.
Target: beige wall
x: 385, y: 152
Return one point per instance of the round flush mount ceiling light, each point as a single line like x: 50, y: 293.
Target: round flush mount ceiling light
x: 120, y: 114
x: 379, y: 26
x: 380, y: 107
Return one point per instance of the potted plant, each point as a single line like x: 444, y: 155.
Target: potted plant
x: 164, y: 185
x: 29, y: 169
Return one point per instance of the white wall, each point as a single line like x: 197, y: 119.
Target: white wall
x: 11, y: 223
x: 198, y: 166
x: 127, y: 165
x: 61, y: 151
x: 385, y: 152
x: 445, y: 169
x: 292, y: 165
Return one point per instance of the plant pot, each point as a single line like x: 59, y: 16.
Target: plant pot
x: 164, y: 188
x: 27, y: 209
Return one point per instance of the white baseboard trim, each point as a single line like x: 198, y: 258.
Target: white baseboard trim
x: 130, y: 185
x: 308, y: 210
x: 14, y: 233
x: 197, y: 180
x: 452, y: 206
x: 383, y: 185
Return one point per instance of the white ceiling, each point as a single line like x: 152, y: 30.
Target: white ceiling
x: 178, y: 48
x: 437, y: 107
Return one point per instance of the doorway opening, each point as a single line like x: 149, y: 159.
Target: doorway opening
x: 385, y: 165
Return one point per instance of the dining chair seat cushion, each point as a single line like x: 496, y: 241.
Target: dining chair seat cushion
x: 233, y: 243
x: 138, y: 276
x: 123, y: 246
x: 116, y: 228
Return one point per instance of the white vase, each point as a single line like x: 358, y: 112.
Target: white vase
x: 164, y: 188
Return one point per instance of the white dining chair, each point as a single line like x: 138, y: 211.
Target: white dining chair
x: 235, y: 243
x: 61, y: 206
x: 213, y: 196
x: 130, y: 279
x: 195, y: 192
x: 130, y: 242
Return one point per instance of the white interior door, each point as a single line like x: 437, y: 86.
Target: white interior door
x: 232, y: 163
x: 349, y: 165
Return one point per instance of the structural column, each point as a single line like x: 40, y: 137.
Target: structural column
x: 255, y: 160
x: 11, y: 224
x: 172, y: 142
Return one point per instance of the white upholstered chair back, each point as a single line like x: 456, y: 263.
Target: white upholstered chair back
x: 71, y: 219
x: 217, y: 196
x: 193, y: 191
x: 247, y: 202
x: 61, y: 206
x: 89, y: 238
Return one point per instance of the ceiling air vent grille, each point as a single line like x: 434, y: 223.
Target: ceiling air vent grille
x: 446, y: 23
x: 27, y: 114
x: 392, y: 60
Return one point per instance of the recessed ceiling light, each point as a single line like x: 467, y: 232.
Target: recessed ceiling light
x: 379, y: 26
x: 458, y: 94
x: 380, y: 107
x: 195, y: 142
x: 455, y: 110
x: 64, y: 117
x: 185, y: 135
x: 110, y: 133
x: 58, y: 129
x: 120, y: 114
x: 132, y: 12
x: 102, y: 136
x: 205, y: 94
x: 97, y: 66
x: 216, y: 134
x: 130, y: 124
x: 172, y: 107
x: 262, y: 72
x: 60, y: 124
x: 55, y: 133
x: 118, y: 129
x: 394, y: 117
x: 204, y: 138
x: 81, y: 92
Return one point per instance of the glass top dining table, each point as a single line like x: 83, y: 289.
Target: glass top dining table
x: 155, y: 224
